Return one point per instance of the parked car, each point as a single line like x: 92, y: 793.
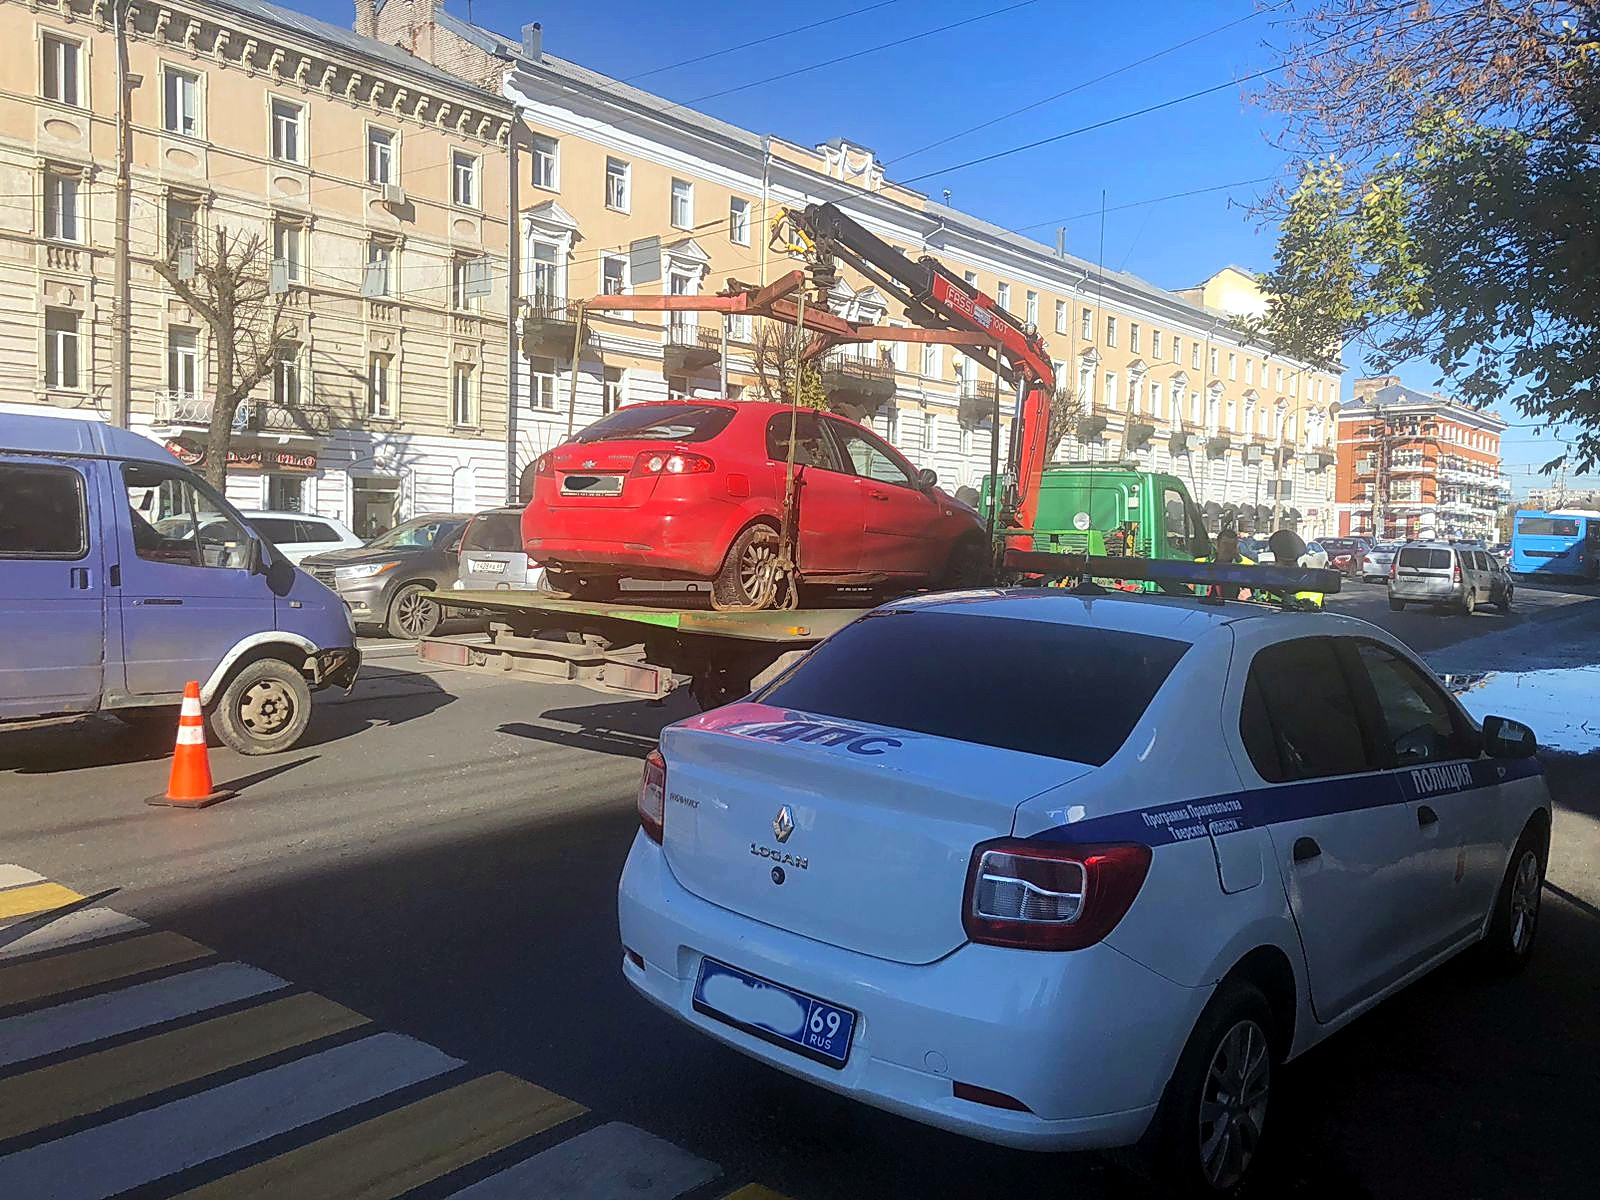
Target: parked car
x: 1347, y: 554
x: 694, y: 489
x: 1315, y: 556
x: 1375, y: 567
x: 1111, y: 931
x: 300, y: 534
x: 385, y: 583
x: 492, y: 555
x: 123, y: 576
x: 1445, y: 575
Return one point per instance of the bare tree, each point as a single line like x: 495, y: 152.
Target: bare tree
x: 1066, y: 409
x: 774, y: 351
x: 230, y: 288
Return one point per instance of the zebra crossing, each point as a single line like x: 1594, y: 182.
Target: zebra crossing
x: 136, y: 1061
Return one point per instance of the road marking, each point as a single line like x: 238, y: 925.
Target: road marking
x: 39, y: 978
x: 50, y: 1095
x: 38, y: 897
x: 11, y: 875
x: 83, y: 925
x: 79, y: 1022
x: 137, y: 1149
x: 403, y: 1149
x: 600, y: 1164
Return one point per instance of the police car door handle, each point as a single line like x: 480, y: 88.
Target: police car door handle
x: 1305, y: 849
x: 1426, y: 816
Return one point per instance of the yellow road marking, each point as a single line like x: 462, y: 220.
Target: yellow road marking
x: 36, y: 978
x: 36, y: 897
x: 97, y: 1081
x: 754, y: 1191
x: 393, y: 1153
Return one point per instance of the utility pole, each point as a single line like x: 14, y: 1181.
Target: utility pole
x: 122, y: 364
x: 513, y: 294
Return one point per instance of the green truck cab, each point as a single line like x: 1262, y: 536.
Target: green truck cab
x: 1116, y: 509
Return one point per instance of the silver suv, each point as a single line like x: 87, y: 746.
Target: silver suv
x: 1447, y: 575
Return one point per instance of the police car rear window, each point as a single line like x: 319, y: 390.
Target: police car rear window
x: 1061, y: 691
x: 1428, y: 560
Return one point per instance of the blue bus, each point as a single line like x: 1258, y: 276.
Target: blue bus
x: 1545, y: 543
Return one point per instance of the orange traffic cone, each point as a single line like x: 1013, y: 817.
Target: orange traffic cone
x: 189, y: 785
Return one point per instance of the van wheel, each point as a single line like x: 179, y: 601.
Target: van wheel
x: 749, y: 577
x: 1469, y: 603
x: 264, y: 709
x: 1396, y: 605
x: 412, y: 615
x: 1507, y: 947
x: 1206, y: 1136
x: 1505, y: 601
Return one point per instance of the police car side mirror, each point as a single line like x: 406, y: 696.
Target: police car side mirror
x: 1505, y: 738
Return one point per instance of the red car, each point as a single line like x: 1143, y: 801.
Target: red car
x: 693, y: 489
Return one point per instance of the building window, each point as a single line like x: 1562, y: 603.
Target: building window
x: 682, y: 204
x: 546, y: 283
x: 546, y: 162
x: 1155, y: 343
x: 61, y: 206
x: 541, y: 382
x: 1133, y: 337
x: 1061, y: 316
x: 1233, y: 365
x: 1111, y: 331
x: 286, y: 493
x: 60, y: 348
x: 1280, y: 379
x: 739, y: 220
x: 1249, y: 370
x: 617, y: 190
x: 464, y: 179
x: 679, y: 284
x: 613, y: 275
x: 180, y: 102
x: 614, y: 388
x: 1111, y: 389
x: 287, y: 141
x: 930, y: 361
x: 1031, y: 312
x: 183, y: 224
x: 378, y: 281
x: 381, y: 165
x: 1155, y: 399
x: 380, y: 387
x: 1177, y: 348
x: 1002, y: 295
x: 286, y: 378
x: 183, y: 364
x: 287, y: 255
x: 1214, y: 360
x: 1194, y: 357
x: 930, y: 433
x: 740, y: 327
x: 466, y: 282
x: 61, y: 70
x: 462, y: 410
x: 1086, y: 386
x: 971, y: 278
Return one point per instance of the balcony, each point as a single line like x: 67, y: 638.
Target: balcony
x: 185, y: 412
x: 977, y: 404
x: 550, y: 328
x: 857, y: 380
x: 689, y: 348
x: 63, y: 258
x: 1137, y: 435
x: 1217, y: 446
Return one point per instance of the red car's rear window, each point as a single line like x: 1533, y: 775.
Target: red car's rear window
x: 660, y: 423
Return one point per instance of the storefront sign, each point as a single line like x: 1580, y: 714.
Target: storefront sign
x: 245, y: 458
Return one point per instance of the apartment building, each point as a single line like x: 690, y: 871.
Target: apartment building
x: 622, y: 191
x: 376, y: 186
x: 1417, y: 465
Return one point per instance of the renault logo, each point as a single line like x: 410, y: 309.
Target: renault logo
x: 783, y: 824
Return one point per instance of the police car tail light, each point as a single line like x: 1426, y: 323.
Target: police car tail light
x: 653, y: 795
x: 1050, y: 896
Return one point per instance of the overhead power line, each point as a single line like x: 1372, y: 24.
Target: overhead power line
x: 1219, y: 187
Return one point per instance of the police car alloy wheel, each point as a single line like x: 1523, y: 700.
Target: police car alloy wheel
x: 1514, y: 927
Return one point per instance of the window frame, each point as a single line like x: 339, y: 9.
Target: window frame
x: 1111, y: 330
x: 1363, y: 709
x: 463, y: 401
x: 625, y: 175
x: 10, y: 467
x: 198, y: 487
x: 387, y: 140
x: 1369, y: 708
x: 294, y: 265
x: 51, y: 39
x: 621, y: 276
x: 738, y: 212
x: 380, y: 370
x: 839, y: 428
x: 56, y: 341
x: 680, y: 190
x: 299, y: 124
x: 286, y: 372
x: 172, y: 102
x: 545, y: 149
x: 59, y: 184
x: 178, y: 355
x: 465, y: 165
x: 379, y: 265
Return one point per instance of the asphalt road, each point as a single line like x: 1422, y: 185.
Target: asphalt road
x: 441, y: 855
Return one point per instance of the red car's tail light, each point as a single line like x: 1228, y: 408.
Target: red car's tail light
x: 658, y: 462
x: 544, y: 467
x: 653, y: 796
x: 1050, y: 896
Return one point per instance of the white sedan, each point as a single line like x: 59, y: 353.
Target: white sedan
x: 1315, y: 556
x: 1062, y: 872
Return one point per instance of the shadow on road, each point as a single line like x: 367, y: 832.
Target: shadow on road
x: 502, y: 947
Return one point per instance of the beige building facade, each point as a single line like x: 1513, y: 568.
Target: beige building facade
x: 376, y: 185
x: 620, y: 190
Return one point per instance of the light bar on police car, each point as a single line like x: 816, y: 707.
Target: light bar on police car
x: 1284, y: 580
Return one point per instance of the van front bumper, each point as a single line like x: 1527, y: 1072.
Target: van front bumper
x: 1086, y: 1039
x: 337, y: 667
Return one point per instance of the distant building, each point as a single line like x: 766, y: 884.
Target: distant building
x: 1417, y: 465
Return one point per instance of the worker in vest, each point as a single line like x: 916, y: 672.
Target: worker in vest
x: 1225, y: 549
x: 1287, y: 550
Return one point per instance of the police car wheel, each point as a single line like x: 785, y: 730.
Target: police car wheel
x: 1514, y: 927
x: 1206, y: 1139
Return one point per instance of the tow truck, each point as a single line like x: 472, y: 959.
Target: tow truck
x: 647, y: 651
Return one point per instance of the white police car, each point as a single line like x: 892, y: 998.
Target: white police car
x: 1063, y: 871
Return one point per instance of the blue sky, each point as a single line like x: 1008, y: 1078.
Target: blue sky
x: 900, y: 98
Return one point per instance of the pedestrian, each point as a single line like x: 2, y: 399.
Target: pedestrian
x: 1225, y: 549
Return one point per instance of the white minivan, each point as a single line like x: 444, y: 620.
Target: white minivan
x: 300, y: 534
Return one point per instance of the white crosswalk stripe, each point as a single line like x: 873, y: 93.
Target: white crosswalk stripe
x: 607, y: 1163
x: 85, y: 925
